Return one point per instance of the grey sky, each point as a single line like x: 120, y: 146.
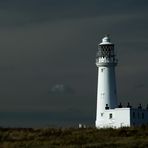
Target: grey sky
x: 44, y: 43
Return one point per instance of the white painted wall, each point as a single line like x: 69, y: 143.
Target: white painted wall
x: 106, y: 90
x: 123, y: 117
x: 120, y: 117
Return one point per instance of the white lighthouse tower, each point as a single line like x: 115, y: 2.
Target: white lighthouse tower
x: 106, y: 91
x: 109, y: 113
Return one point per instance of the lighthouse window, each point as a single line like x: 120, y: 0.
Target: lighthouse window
x: 110, y: 116
x: 138, y: 115
x: 133, y: 114
x: 102, y: 70
x: 142, y: 115
x: 101, y: 114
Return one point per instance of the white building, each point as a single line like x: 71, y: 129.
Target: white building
x: 109, y: 113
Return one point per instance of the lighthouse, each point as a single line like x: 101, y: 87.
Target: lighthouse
x: 108, y: 112
x: 106, y: 62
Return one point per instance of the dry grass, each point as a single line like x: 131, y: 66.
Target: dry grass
x: 74, y: 138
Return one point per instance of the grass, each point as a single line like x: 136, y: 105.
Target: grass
x: 74, y: 137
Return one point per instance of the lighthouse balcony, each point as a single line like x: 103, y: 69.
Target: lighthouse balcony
x: 106, y: 61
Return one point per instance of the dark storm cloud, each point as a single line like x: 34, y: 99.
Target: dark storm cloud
x: 20, y: 12
x: 44, y: 43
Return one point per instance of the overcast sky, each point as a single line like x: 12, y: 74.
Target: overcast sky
x: 48, y: 74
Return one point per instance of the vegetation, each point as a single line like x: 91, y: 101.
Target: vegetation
x: 74, y: 137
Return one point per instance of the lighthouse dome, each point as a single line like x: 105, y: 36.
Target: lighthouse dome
x: 105, y: 41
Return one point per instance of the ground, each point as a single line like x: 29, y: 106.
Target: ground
x: 74, y: 137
